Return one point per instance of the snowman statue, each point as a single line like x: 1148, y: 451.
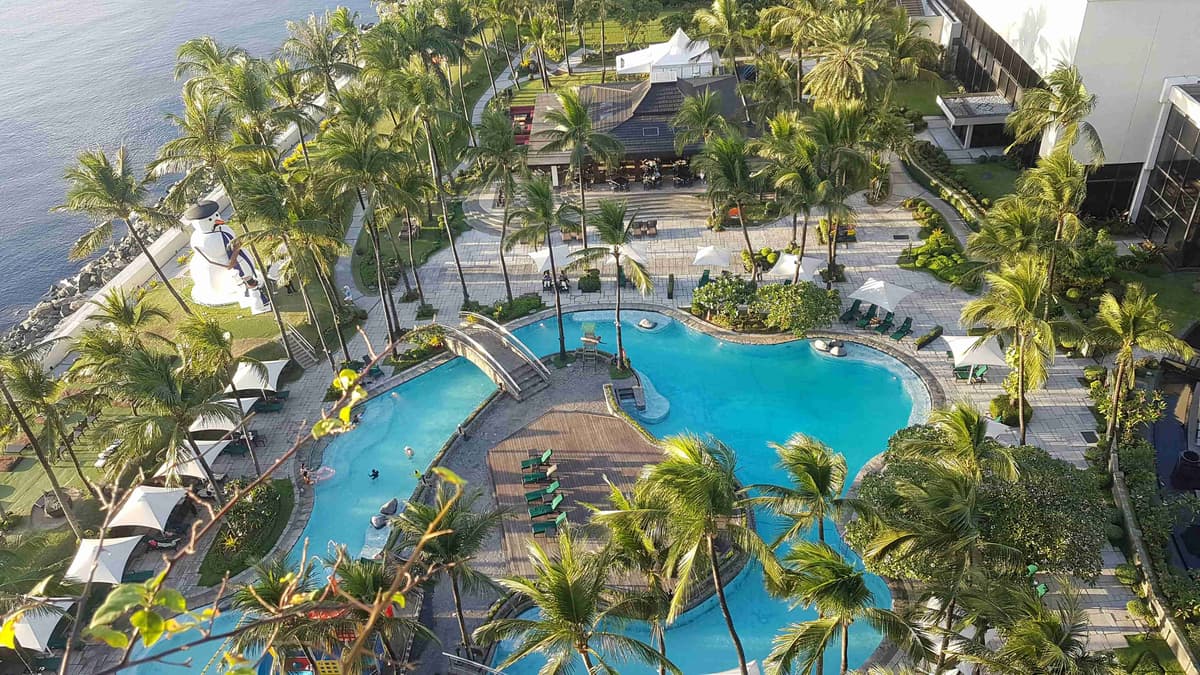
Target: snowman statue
x: 222, y: 273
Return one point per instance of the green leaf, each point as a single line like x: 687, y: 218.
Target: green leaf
x: 149, y: 624
x: 399, y: 599
x: 113, y: 638
x: 171, y: 599
x: 448, y: 475
x: 120, y: 600
x: 39, y: 591
x: 327, y: 426
x: 8, y: 632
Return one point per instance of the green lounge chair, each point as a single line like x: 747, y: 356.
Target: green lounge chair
x: 904, y: 331
x: 137, y: 577
x: 236, y: 448
x: 282, y: 395
x: 545, y: 526
x: 704, y: 279
x: 375, y: 371
x: 852, y: 313
x: 866, y: 318
x: 265, y: 406
x: 962, y: 373
x: 539, y: 476
x: 545, y: 509
x: 538, y: 495
x: 534, y: 462
x: 978, y: 375
x: 885, y: 326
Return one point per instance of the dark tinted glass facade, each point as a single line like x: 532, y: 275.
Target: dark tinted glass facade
x: 983, y: 61
x: 1169, y: 213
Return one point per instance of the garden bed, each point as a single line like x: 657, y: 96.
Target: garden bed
x: 250, y: 531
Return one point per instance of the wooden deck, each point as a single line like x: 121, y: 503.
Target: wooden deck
x: 587, y: 449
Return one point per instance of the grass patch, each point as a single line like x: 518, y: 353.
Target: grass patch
x: 1179, y: 302
x: 1147, y: 654
x: 21, y: 487
x: 920, y: 95
x: 231, y: 553
x: 428, y: 241
x: 529, y: 91
x: 992, y: 180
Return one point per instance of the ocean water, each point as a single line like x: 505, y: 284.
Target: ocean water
x: 77, y: 75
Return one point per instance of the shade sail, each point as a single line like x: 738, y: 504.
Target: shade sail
x: 999, y: 431
x: 248, y: 377
x: 189, y: 466
x: 148, y: 506
x: 541, y: 257
x: 751, y: 668
x: 970, y: 350
x: 712, y: 255
x: 220, y: 423
x: 882, y: 293
x: 788, y: 262
x: 109, y: 560
x: 34, y: 628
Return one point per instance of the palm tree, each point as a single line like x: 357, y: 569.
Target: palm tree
x: 539, y: 31
x: 107, y: 192
x: 818, y: 576
x: 460, y: 25
x: 790, y: 155
x: 465, y: 534
x: 1011, y: 308
x: 1059, y: 185
x: 539, y: 218
x: 818, y: 476
x: 502, y: 161
x: 365, y: 583
x: 246, y: 87
x: 911, y: 51
x: 961, y: 445
x: 771, y: 89
x: 1134, y: 321
x: 292, y: 94
x: 1064, y: 106
x: 1014, y: 228
x: 699, y: 504
x: 795, y: 20
x: 616, y: 239
x: 320, y: 52
x: 569, y: 592
x: 132, y: 318
x: 200, y: 59
x: 570, y: 130
x: 725, y: 161
x: 853, y: 58
x: 840, y: 165
x: 725, y: 23
x: 699, y: 119
x: 279, y: 585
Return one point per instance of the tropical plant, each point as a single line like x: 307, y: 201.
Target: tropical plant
x: 1014, y: 228
x: 502, y: 162
x: 790, y: 152
x: 1062, y: 106
x: 725, y: 161
x: 853, y: 60
x: 539, y: 218
x: 818, y: 477
x: 131, y: 317
x: 1058, y: 184
x: 725, y: 24
x: 796, y: 21
x: 961, y: 444
x: 700, y: 117
x: 200, y: 60
x: 322, y: 54
x: 279, y: 585
x: 294, y: 95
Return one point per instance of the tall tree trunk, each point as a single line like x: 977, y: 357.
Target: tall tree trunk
x: 208, y: 474
x: 737, y: 76
x: 141, y: 244
x: 312, y: 315
x: 504, y: 240
x: 261, y: 269
x: 462, y: 96
x: 393, y: 240
x: 582, y: 204
x: 587, y: 659
x: 603, y: 42
x: 542, y: 69
x: 562, y: 36
x: 437, y: 186
x: 458, y: 611
x: 746, y: 236
x: 380, y: 277
x: 55, y: 487
x: 1021, y: 385
x: 845, y: 647
x: 1050, y: 269
x: 562, y: 337
x: 241, y: 427
x: 70, y: 449
x: 621, y: 360
x: 1115, y: 407
x: 498, y: 35
x: 327, y: 289
x: 716, y: 577
x: 831, y: 245
x: 412, y: 262
x: 662, y: 646
x: 804, y: 236
x: 487, y: 61
x: 945, y: 646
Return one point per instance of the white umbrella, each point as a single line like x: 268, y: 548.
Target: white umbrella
x: 968, y: 350
x: 148, y: 506
x: 712, y: 256
x: 996, y: 430
x: 788, y: 262
x: 190, y: 467
x: 219, y: 423
x: 109, y: 560
x: 541, y: 257
x: 882, y: 293
x: 247, y: 377
x: 751, y: 668
x: 34, y: 628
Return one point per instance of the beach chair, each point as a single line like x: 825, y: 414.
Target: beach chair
x: 264, y: 406
x: 979, y: 374
x: 375, y: 371
x: 852, y: 313
x: 539, y: 476
x: 885, y: 326
x: 904, y: 331
x: 534, y: 462
x: 651, y: 228
x: 704, y: 279
x: 282, y: 395
x: 545, y: 509
x: 539, y: 495
x: 866, y: 318
x: 237, y: 448
x: 545, y: 526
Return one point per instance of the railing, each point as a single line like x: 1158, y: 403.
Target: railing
x: 459, y: 664
x: 512, y: 342
x: 294, y: 333
x: 503, y: 374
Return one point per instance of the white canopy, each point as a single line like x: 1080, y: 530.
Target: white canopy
x: 628, y: 251
x: 969, y: 350
x: 712, y: 256
x: 148, y: 506
x: 34, y: 628
x: 109, y: 560
x: 248, y: 377
x: 190, y: 467
x: 882, y: 293
x: 216, y: 423
x: 751, y: 668
x: 541, y: 257
x: 996, y: 430
x: 678, y: 51
x: 788, y: 262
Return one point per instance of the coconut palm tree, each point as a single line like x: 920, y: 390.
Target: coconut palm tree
x: 569, y: 129
x: 961, y: 444
x: 200, y: 59
x: 569, y: 590
x: 699, y: 119
x: 911, y: 52
x: 294, y: 95
x: 1014, y: 228
x: 699, y: 505
x: 457, y: 20
x: 818, y: 477
x: 1063, y: 106
x: 790, y: 155
x: 501, y: 161
x: 795, y: 20
x: 131, y: 317
x: 771, y: 89
x: 366, y: 583
x: 1134, y: 321
x: 726, y: 24
x: 107, y: 192
x: 279, y: 584
x: 818, y: 576
x: 840, y: 165
x: 1057, y: 184
x: 1012, y: 308
x: 539, y: 32
x: 320, y: 52
x: 246, y: 87
x: 614, y: 230
x: 853, y: 57
x: 539, y: 218
x: 725, y: 161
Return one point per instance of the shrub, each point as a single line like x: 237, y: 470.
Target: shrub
x: 721, y: 297
x: 1074, y: 294
x: 925, y: 339
x: 942, y: 256
x: 425, y: 311
x: 796, y: 308
x: 1095, y: 373
x: 1138, y: 609
x: 590, y: 283
x: 671, y: 286
x: 1004, y: 410
x: 1127, y: 574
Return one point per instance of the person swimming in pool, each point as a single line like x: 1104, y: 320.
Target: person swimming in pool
x: 374, y: 474
x: 408, y: 451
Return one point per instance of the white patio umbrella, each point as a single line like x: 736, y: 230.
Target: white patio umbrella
x: 968, y: 350
x: 788, y: 262
x: 34, y: 628
x: 249, y: 378
x: 148, y: 506
x: 712, y: 256
x: 215, y: 423
x: 541, y: 257
x: 882, y: 293
x: 109, y: 559
x: 190, y: 467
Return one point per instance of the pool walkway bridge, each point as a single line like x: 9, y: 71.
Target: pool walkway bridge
x: 498, y: 353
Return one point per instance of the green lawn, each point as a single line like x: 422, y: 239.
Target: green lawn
x: 1175, y: 295
x: 920, y: 95
x: 992, y: 180
x: 1150, y: 653
x: 530, y: 90
x: 21, y: 487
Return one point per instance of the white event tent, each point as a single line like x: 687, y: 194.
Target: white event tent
x: 249, y: 378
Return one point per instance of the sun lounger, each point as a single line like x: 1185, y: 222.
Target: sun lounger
x: 545, y: 509
x: 545, y: 526
x: 866, y: 318
x: 236, y: 448
x: 534, y: 462
x: 885, y: 325
x: 704, y: 279
x: 852, y: 313
x: 904, y: 331
x: 267, y: 406
x: 971, y: 374
x: 282, y: 395
x: 539, y: 476
x: 651, y: 228
x: 137, y: 577
x: 539, y: 495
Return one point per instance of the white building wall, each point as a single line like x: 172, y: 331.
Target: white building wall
x: 1043, y: 32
